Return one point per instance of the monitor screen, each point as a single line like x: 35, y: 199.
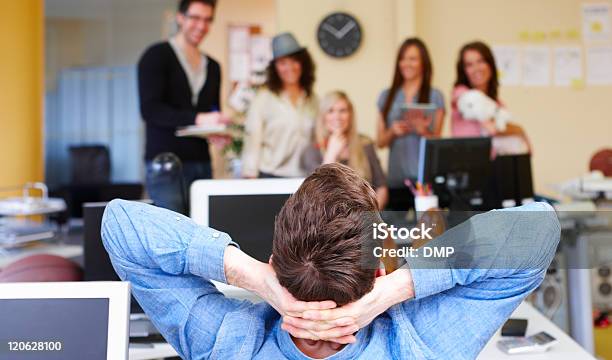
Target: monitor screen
x: 248, y: 219
x: 52, y: 329
x: 97, y: 264
x: 458, y: 171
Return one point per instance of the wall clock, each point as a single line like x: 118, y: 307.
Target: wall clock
x: 339, y: 34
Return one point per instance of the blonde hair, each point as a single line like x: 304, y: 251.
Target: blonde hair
x: 357, y: 160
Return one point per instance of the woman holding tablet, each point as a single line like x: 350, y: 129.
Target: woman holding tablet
x: 404, y: 118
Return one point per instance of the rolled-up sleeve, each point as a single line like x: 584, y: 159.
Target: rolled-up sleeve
x: 169, y: 260
x: 500, y: 257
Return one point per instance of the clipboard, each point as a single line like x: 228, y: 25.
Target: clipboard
x: 202, y: 131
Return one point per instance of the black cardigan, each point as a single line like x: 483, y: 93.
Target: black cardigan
x: 165, y: 103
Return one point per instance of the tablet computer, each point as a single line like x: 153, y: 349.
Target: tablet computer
x: 416, y: 109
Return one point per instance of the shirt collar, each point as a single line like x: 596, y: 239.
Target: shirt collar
x: 350, y: 351
x: 301, y: 100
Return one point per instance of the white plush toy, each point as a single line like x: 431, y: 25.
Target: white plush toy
x: 475, y: 105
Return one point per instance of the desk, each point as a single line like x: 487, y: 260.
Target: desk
x: 566, y: 348
x: 158, y: 351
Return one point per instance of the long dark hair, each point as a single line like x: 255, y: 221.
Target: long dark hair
x: 307, y: 79
x: 487, y: 55
x: 398, y: 79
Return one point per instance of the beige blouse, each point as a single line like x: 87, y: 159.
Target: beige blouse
x: 276, y: 134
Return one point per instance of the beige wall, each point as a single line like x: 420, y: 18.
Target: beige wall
x: 566, y: 126
x: 364, y: 74
x: 21, y: 71
x: 237, y: 12
x: 234, y: 12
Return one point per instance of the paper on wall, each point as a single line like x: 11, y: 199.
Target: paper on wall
x: 599, y: 65
x: 239, y: 39
x: 596, y: 22
x: 536, y: 66
x: 261, y: 52
x: 240, y: 69
x: 567, y: 65
x: 508, y: 61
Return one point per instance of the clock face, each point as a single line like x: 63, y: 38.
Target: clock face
x: 339, y: 35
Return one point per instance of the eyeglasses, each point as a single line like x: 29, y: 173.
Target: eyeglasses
x: 196, y: 18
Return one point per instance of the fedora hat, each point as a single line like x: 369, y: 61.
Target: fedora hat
x: 284, y: 44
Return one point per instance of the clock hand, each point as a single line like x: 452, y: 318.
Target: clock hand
x: 346, y: 28
x: 332, y: 30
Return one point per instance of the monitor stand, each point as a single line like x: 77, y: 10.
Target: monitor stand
x: 142, y: 329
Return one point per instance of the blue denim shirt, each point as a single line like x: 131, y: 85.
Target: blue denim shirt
x: 169, y: 261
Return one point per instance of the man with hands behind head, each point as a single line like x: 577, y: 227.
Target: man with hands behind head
x: 324, y: 296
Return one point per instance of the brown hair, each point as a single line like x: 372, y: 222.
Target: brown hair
x: 487, y: 55
x: 398, y: 79
x: 183, y: 5
x: 307, y: 79
x: 357, y: 160
x: 323, y: 248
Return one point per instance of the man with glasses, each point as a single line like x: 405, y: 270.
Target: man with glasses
x: 179, y: 86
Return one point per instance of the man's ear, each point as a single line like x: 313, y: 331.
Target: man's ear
x: 380, y: 272
x: 179, y: 18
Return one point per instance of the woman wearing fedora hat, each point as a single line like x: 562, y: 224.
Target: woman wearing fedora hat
x: 280, y: 120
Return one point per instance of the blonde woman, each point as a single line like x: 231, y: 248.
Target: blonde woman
x: 337, y: 140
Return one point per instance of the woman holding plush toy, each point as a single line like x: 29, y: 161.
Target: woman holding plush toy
x: 400, y: 128
x: 476, y: 107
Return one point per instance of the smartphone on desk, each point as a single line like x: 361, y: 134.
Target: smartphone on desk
x: 537, y: 343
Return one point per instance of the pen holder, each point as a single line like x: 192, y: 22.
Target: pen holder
x: 423, y: 203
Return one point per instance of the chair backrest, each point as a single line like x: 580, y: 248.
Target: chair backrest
x: 602, y: 161
x: 41, y: 268
x: 90, y: 164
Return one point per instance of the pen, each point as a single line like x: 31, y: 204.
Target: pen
x: 408, y: 183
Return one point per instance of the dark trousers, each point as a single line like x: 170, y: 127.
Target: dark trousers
x: 170, y: 190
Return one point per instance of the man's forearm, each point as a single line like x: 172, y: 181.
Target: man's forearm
x: 402, y: 288
x: 241, y: 270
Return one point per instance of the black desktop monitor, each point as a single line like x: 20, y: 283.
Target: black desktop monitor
x: 249, y: 219
x: 458, y: 170
x: 97, y: 264
x: 512, y: 179
x: 245, y: 209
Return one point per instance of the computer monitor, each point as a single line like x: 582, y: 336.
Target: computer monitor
x: 97, y: 265
x: 69, y: 320
x: 245, y: 209
x: 458, y: 170
x: 513, y: 183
